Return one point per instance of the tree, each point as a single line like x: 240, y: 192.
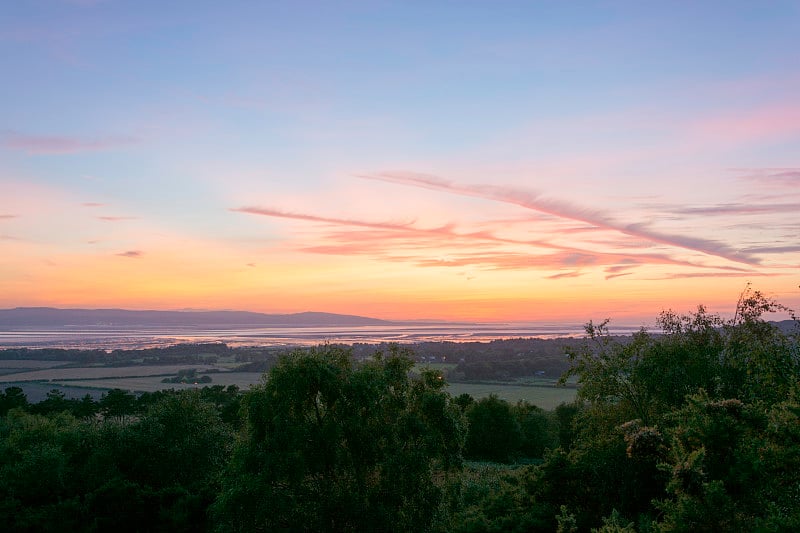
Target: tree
x: 55, y: 402
x: 86, y: 407
x: 164, y: 465
x: 647, y: 376
x: 494, y: 433
x: 117, y: 404
x: 12, y: 397
x: 733, y: 467
x: 675, y: 425
x: 46, y: 467
x: 328, y: 445
x: 538, y: 429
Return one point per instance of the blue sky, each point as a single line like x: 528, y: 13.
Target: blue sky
x: 402, y: 159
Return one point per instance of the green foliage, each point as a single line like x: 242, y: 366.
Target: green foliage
x: 45, y: 464
x: 493, y: 498
x: 679, y: 430
x: 734, y: 466
x: 647, y: 376
x: 566, y: 521
x: 118, y: 404
x: 155, y: 472
x: 614, y: 523
x: 11, y: 398
x: 501, y: 432
x: 693, y: 429
x: 331, y: 446
x: 494, y: 432
x: 538, y: 428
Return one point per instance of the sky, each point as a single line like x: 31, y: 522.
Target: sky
x: 453, y: 160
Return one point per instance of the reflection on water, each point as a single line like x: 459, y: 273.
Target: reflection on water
x: 106, y: 338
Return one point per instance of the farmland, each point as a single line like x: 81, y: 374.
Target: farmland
x: 546, y: 395
x: 37, y: 377
x: 512, y: 369
x: 100, y: 372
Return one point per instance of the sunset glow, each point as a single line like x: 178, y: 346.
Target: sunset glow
x: 412, y: 160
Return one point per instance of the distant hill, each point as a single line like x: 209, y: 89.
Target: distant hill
x: 52, y: 317
x: 788, y: 326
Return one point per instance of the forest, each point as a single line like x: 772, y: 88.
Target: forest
x: 693, y: 428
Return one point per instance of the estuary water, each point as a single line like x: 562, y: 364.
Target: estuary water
x: 109, y: 337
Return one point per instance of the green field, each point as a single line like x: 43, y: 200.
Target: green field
x: 148, y: 379
x: 100, y: 372
x: 546, y: 396
x: 243, y: 380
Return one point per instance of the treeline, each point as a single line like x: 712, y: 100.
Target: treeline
x: 179, y: 353
x: 497, y: 360
x: 694, y: 429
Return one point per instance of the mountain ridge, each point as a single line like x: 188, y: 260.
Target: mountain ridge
x: 58, y: 317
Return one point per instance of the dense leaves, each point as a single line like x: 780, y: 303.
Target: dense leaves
x: 695, y: 428
x: 331, y: 446
x: 679, y: 431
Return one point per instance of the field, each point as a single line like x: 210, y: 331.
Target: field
x: 243, y: 380
x: 546, y: 396
x: 38, y: 377
x: 27, y: 364
x: 99, y: 372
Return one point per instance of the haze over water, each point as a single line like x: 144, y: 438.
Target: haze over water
x: 109, y: 338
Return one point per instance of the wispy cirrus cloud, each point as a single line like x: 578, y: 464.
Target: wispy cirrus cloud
x: 6, y: 216
x: 55, y: 144
x: 681, y: 275
x: 774, y: 249
x: 133, y: 254
x: 278, y: 213
x: 616, y: 269
x: 445, y: 246
x: 537, y: 202
x: 572, y: 274
x: 771, y: 177
x: 407, y: 229
x: 737, y: 209
x: 115, y: 219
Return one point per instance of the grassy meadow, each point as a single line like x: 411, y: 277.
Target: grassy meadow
x: 547, y: 395
x: 38, y: 375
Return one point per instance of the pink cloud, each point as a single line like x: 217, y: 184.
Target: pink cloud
x: 265, y: 211
x: 92, y: 204
x: 406, y: 228
x: 616, y: 269
x: 712, y: 275
x: 738, y: 209
x: 573, y: 274
x: 115, y: 219
x: 388, y: 241
x: 131, y: 253
x: 772, y: 177
x: 537, y: 202
x: 769, y: 122
x: 6, y: 217
x: 51, y: 145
